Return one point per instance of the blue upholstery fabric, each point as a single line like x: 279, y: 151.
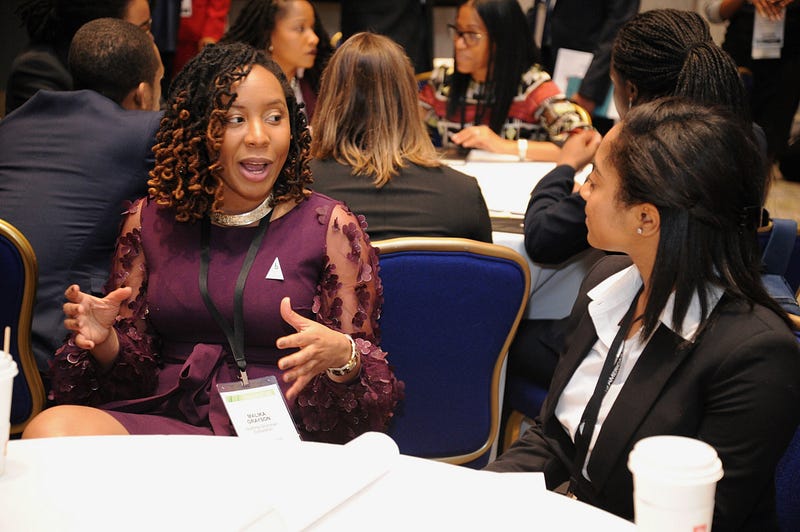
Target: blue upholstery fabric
x: 445, y: 320
x: 524, y: 396
x: 787, y: 484
x: 12, y: 285
x: 787, y: 487
x: 16, y: 312
x: 792, y: 273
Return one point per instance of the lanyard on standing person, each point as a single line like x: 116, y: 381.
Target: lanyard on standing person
x: 235, y: 334
x: 611, y: 366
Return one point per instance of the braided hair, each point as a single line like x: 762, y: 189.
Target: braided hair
x: 512, y: 53
x: 668, y: 52
x: 187, y: 176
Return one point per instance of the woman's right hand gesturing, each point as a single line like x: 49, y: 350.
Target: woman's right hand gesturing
x: 93, y: 318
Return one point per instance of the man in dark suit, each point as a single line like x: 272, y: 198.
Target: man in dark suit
x: 588, y: 26
x: 70, y: 160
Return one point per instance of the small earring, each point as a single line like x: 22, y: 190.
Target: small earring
x: 639, y: 231
x: 270, y: 48
x: 630, y: 103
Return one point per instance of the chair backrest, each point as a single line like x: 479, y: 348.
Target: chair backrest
x: 792, y: 270
x: 451, y: 308
x: 787, y: 486
x: 18, y: 278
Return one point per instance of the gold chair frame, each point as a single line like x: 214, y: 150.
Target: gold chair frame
x: 29, y: 369
x: 451, y: 244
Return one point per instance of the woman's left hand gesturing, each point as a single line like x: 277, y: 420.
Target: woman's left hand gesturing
x: 319, y: 348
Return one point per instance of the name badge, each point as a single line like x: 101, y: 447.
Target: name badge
x: 768, y: 36
x: 258, y: 409
x: 186, y: 8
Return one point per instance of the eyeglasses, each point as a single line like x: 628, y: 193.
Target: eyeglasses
x: 471, y: 38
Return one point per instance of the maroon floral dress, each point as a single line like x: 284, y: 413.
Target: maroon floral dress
x: 173, y: 353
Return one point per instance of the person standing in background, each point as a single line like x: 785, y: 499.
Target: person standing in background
x: 771, y: 69
x: 408, y: 22
x: 201, y: 22
x: 587, y: 26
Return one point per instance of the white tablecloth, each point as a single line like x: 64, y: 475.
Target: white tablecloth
x: 203, y: 483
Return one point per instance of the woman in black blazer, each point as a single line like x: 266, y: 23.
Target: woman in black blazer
x: 702, y: 351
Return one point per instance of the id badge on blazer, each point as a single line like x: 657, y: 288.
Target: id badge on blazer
x: 258, y: 409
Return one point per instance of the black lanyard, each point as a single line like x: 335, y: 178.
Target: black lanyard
x: 583, y: 436
x: 235, y: 334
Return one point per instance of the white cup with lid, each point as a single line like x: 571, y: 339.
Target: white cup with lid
x: 8, y: 370
x: 674, y: 483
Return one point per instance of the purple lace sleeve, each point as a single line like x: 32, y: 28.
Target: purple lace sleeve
x: 348, y: 299
x: 76, y: 377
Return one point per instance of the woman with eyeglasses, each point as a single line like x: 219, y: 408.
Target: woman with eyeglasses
x: 498, y: 98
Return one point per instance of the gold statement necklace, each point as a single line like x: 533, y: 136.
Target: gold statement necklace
x: 245, y: 218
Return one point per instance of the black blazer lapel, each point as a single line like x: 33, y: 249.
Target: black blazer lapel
x: 655, y: 366
x: 583, y: 338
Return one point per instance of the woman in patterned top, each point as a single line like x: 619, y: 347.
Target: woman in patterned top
x: 498, y: 98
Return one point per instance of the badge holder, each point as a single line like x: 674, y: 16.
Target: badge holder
x: 258, y: 409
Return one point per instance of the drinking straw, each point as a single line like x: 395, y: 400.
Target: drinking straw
x: 7, y: 339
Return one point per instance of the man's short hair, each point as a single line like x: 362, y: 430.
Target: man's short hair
x: 112, y: 56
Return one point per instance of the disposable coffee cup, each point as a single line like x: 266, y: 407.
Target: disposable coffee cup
x: 674, y: 483
x: 8, y: 370
x: 5, y: 431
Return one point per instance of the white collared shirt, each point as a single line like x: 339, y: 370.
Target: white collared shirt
x: 610, y: 301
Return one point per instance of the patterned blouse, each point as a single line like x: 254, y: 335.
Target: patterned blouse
x: 539, y: 111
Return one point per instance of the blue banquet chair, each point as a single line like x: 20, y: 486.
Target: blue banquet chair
x: 787, y: 487
x: 18, y: 278
x: 451, y: 308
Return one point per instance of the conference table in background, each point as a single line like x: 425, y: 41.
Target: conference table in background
x: 506, y: 184
x: 217, y: 483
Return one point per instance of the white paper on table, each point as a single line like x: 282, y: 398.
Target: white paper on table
x: 506, y: 187
x: 339, y: 473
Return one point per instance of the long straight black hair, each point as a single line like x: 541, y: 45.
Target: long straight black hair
x: 703, y: 171
x: 512, y: 51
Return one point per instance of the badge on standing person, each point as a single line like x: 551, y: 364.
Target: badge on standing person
x: 186, y: 8
x: 258, y: 409
x: 768, y: 36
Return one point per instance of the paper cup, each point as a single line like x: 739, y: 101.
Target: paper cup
x: 5, y: 431
x: 674, y: 482
x: 8, y: 370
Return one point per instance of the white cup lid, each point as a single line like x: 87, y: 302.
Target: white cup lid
x: 675, y: 458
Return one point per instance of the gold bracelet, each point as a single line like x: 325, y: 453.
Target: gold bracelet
x: 351, y: 364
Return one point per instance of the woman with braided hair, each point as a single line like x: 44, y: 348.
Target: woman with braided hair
x: 231, y: 269
x: 662, y: 52
x: 292, y: 35
x: 675, y: 334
